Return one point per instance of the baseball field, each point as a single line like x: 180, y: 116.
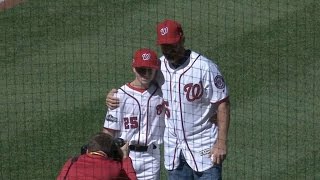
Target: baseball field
x: 59, y: 58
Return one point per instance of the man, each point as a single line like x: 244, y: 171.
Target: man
x: 196, y: 103
x: 139, y: 120
x: 103, y: 159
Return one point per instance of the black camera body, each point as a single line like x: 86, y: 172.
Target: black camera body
x: 83, y: 149
x: 119, y: 142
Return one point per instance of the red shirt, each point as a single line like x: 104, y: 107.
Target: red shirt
x: 91, y: 167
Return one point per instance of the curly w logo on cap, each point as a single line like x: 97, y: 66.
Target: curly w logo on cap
x: 169, y: 32
x: 146, y: 56
x: 164, y: 31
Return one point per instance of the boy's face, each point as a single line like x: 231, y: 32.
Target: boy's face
x: 144, y: 75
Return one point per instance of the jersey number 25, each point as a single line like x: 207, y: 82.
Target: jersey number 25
x: 130, y: 123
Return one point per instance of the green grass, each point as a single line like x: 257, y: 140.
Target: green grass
x: 58, y: 59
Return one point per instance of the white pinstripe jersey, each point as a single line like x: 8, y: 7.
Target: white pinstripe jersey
x: 139, y: 117
x: 188, y: 93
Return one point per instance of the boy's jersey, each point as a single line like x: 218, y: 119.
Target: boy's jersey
x: 139, y: 118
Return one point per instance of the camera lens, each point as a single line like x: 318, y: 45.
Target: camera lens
x: 84, y: 149
x: 119, y: 142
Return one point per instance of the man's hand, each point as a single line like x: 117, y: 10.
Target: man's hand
x: 219, y: 152
x: 111, y: 101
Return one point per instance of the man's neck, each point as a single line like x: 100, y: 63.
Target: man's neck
x: 182, y: 60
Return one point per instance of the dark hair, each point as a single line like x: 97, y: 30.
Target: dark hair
x: 104, y: 142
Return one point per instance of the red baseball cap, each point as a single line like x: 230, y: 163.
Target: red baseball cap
x: 169, y: 32
x: 146, y: 58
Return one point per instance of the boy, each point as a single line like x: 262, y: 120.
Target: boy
x: 139, y: 118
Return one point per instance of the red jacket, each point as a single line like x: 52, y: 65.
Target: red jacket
x: 91, y: 167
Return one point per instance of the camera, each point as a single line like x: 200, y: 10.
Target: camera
x: 83, y: 149
x: 119, y: 142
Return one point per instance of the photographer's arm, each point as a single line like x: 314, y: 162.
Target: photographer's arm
x: 127, y: 163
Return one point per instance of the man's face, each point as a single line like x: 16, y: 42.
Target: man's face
x: 172, y: 52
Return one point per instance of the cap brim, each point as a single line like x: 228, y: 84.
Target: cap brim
x: 168, y: 41
x: 151, y: 67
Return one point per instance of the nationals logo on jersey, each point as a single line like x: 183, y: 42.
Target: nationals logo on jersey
x: 219, y: 82
x: 111, y: 118
x: 194, y: 91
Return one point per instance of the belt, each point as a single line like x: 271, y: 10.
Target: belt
x: 139, y: 148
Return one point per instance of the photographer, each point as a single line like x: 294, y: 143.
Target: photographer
x: 103, y: 159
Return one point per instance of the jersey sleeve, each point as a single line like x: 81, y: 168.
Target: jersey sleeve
x: 215, y: 84
x: 113, y: 117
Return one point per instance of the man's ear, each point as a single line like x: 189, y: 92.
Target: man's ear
x: 182, y: 39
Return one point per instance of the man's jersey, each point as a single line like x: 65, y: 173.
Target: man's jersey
x: 139, y: 118
x: 189, y: 93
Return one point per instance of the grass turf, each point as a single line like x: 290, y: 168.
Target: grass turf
x: 58, y: 58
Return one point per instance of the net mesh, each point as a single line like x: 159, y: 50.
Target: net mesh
x: 60, y: 58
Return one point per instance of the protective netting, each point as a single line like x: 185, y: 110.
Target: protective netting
x: 59, y: 59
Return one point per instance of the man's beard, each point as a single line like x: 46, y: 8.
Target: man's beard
x: 169, y: 57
